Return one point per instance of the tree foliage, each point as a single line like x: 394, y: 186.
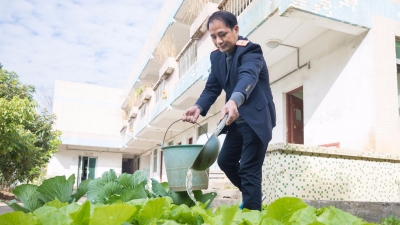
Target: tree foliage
x: 27, y: 140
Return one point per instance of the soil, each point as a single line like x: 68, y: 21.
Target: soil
x: 7, y: 196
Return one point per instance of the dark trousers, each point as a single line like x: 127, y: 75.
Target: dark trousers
x: 241, y: 158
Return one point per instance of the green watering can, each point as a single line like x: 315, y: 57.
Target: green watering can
x: 209, y: 152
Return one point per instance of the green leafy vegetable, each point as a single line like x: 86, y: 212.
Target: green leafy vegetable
x: 56, y: 188
x: 283, y: 208
x: 81, y: 191
x: 112, y: 214
x: 17, y: 218
x: 28, y: 196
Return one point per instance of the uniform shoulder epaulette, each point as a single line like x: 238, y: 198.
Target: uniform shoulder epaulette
x: 215, y: 49
x: 242, y: 42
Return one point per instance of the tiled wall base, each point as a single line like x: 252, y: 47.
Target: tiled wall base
x: 369, y: 211
x: 321, y: 173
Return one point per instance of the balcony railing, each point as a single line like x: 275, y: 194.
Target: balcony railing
x: 235, y: 6
x: 139, y: 127
x: 159, y: 107
x: 198, y: 71
x: 187, y: 57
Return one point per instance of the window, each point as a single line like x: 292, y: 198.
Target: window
x: 160, y: 90
x: 190, y: 141
x: 155, y: 161
x: 143, y: 110
x: 171, y: 143
x: 398, y: 73
x: 131, y: 125
x: 202, y: 130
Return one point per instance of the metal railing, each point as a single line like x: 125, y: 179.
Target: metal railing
x: 235, y: 6
x: 187, y: 57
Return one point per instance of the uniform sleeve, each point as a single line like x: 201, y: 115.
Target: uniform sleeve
x: 251, y: 63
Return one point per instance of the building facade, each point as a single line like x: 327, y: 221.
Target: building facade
x: 335, y: 77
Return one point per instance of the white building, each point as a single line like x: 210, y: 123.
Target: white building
x: 333, y: 76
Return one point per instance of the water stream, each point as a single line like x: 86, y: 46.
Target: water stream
x: 189, y: 185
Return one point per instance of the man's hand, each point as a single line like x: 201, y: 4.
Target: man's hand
x: 231, y: 109
x: 191, y: 114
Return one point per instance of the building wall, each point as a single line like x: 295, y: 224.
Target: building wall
x: 387, y: 130
x: 65, y: 162
x: 337, y: 90
x: 144, y: 161
x: 88, y: 115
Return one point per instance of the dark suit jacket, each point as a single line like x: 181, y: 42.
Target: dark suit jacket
x: 248, y: 74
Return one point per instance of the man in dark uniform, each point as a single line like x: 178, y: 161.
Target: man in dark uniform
x: 238, y: 67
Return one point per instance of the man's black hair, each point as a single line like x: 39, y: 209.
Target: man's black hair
x: 224, y: 16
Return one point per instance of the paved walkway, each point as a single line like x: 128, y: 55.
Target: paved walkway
x: 4, y: 208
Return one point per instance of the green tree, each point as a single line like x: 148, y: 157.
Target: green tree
x: 27, y: 140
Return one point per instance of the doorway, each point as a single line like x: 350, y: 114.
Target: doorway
x: 295, y: 116
x: 127, y: 166
x: 86, y: 168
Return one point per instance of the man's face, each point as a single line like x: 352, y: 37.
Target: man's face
x: 222, y: 36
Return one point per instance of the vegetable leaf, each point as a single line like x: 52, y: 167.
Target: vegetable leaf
x: 333, y: 215
x: 203, y: 198
x: 56, y: 188
x: 270, y: 221
x: 283, y: 208
x: 82, y: 216
x: 137, y: 193
x: 56, y: 203
x: 304, y: 216
x: 100, y: 192
x: 28, y: 196
x: 55, y: 218
x: 17, y: 218
x: 81, y: 191
x: 16, y: 207
x: 112, y: 214
x: 157, y: 188
x: 153, y: 210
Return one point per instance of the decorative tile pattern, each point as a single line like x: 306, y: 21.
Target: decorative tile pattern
x: 321, y: 173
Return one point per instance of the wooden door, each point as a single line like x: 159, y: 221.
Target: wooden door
x: 295, y: 118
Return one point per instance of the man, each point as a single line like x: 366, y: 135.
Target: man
x: 238, y: 67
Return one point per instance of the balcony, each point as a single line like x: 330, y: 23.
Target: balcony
x: 140, y: 126
x: 199, y: 70
x: 235, y: 6
x: 187, y: 57
x: 199, y: 26
x: 145, y: 96
x: 158, y: 108
x: 133, y: 112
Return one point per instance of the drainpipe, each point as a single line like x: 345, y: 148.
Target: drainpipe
x: 298, y: 64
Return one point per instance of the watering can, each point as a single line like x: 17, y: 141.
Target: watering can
x: 210, y: 150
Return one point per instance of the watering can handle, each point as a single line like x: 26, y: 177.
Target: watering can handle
x: 221, y: 125
x: 162, y: 144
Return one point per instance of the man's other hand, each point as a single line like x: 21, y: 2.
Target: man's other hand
x: 191, y: 114
x: 231, y: 109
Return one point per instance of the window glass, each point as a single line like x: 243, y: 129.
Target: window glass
x: 131, y: 125
x: 143, y: 110
x: 398, y: 87
x: 398, y: 49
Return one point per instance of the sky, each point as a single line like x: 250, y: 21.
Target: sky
x: 86, y: 41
